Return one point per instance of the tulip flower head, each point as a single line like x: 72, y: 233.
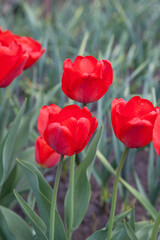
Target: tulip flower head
x: 45, y: 156
x: 12, y: 61
x: 133, y: 121
x: 28, y: 44
x: 68, y: 130
x: 86, y: 79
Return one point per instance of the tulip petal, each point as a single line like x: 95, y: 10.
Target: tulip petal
x: 82, y: 134
x: 68, y: 112
x: 85, y: 64
x: 47, y: 115
x: 137, y: 107
x: 116, y: 110
x: 59, y: 138
x: 156, y: 135
x: 44, y: 154
x: 136, y: 133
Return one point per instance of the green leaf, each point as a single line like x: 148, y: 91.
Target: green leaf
x: 41, y: 189
x: 43, y: 194
x: 131, y: 220
x: 156, y: 227
x: 102, y: 234
x: 7, y: 147
x: 143, y: 229
x: 36, y: 221
x: 143, y: 200
x: 82, y: 188
x: 13, y: 227
x: 130, y: 232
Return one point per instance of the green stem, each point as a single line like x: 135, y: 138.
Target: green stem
x: 54, y: 199
x: 156, y: 227
x: 114, y: 196
x: 71, y: 187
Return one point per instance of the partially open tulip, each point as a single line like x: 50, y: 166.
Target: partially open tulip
x: 133, y: 121
x: 156, y: 135
x: 12, y: 61
x: 86, y: 79
x: 45, y: 156
x: 68, y: 130
x: 28, y: 44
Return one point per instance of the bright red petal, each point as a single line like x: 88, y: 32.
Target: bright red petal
x: 137, y: 107
x: 68, y: 112
x: 156, y: 135
x: 136, y: 133
x: 44, y: 154
x: 47, y: 115
x: 85, y: 64
x: 116, y: 109
x: 60, y: 139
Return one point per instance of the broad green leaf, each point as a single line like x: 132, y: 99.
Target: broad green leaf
x: 7, y: 187
x: 42, y: 190
x: 43, y: 194
x: 82, y: 188
x: 130, y: 231
x: 143, y: 230
x: 5, y: 232
x: 7, y: 147
x: 143, y: 200
x: 13, y: 227
x: 120, y: 234
x: 36, y: 221
x: 102, y: 233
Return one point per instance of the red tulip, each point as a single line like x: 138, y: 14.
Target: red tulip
x: 86, y: 80
x: 12, y: 61
x: 44, y: 154
x: 68, y: 130
x: 133, y: 121
x: 29, y: 45
x: 156, y: 135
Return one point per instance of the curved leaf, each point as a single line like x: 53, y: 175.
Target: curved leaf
x: 7, y: 147
x: 36, y: 221
x: 43, y: 194
x: 13, y: 227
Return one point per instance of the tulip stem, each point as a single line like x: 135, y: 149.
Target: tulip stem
x: 84, y: 105
x: 54, y: 199
x: 114, y: 196
x: 71, y: 192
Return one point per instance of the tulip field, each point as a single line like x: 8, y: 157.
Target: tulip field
x: 79, y: 120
